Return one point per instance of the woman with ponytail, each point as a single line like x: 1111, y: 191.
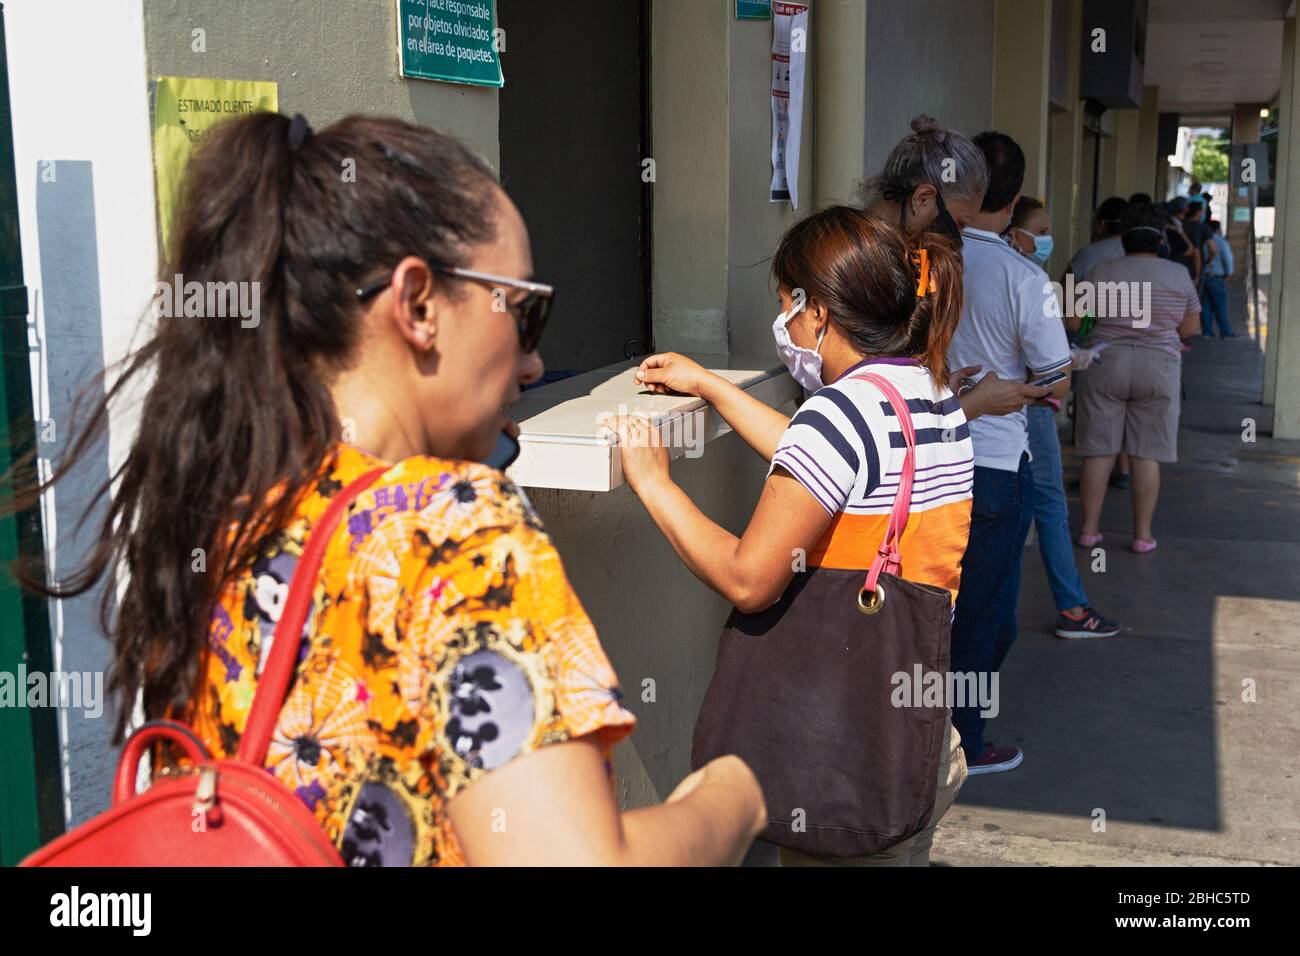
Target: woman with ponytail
x: 857, y: 295
x: 448, y: 678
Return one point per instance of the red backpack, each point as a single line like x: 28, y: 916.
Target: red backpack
x: 230, y: 812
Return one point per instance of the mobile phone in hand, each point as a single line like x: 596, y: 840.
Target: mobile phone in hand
x: 504, y: 452
x: 1051, y: 378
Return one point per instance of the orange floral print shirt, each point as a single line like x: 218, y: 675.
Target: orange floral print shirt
x: 444, y: 641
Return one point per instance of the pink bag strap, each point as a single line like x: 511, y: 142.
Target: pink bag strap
x: 887, y: 557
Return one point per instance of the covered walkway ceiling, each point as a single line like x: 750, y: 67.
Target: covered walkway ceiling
x: 1208, y: 55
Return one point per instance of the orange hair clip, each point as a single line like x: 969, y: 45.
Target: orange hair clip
x: 926, y: 283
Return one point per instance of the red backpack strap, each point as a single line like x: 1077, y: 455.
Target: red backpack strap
x: 887, y: 557
x: 273, y: 685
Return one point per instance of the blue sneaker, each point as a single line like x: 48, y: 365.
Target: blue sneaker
x: 1091, y: 624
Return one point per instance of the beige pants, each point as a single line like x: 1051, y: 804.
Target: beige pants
x: 915, y: 850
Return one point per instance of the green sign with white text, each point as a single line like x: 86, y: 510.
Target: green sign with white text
x: 455, y: 41
x: 753, y: 9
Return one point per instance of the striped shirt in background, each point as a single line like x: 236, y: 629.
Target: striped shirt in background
x: 846, y: 447
x: 1163, y: 287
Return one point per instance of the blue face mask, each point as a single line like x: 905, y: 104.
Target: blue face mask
x: 1042, y: 247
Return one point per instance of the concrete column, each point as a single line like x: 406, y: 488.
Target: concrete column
x: 1286, y: 314
x: 1106, y: 180
x: 1144, y: 180
x: 839, y: 53
x: 689, y: 271
x: 1124, y: 151
x: 1022, y: 44
x: 714, y: 227
x: 1066, y: 132
x: 1277, y: 281
x: 1245, y: 129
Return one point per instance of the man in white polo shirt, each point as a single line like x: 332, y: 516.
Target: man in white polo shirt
x: 1010, y: 324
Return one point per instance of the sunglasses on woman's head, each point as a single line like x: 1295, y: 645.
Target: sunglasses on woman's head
x: 531, y: 311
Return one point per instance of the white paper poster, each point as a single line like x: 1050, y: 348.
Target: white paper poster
x: 789, y: 52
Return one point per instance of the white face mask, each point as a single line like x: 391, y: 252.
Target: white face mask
x: 805, y: 365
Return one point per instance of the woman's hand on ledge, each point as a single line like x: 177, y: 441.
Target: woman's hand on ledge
x: 670, y: 372
x: 645, y: 458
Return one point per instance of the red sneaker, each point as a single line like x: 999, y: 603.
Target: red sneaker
x: 995, y: 760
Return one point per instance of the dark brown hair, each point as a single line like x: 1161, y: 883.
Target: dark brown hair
x: 864, y: 271
x: 1025, y: 206
x: 237, y: 421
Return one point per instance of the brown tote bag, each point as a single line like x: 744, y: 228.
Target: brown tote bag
x: 803, y: 693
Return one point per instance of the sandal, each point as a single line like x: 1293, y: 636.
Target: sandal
x: 1088, y: 540
x: 1143, y: 545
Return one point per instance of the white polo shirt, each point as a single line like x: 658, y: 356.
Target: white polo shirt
x: 1010, y: 324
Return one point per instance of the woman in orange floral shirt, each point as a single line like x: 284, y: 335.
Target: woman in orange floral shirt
x: 451, y: 703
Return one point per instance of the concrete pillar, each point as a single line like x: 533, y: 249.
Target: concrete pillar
x: 713, y: 225
x: 689, y: 270
x: 1245, y: 129
x: 1022, y: 44
x: 1124, y: 151
x: 839, y: 51
x: 1144, y: 180
x: 1286, y: 314
x: 1277, y: 281
x: 1066, y: 132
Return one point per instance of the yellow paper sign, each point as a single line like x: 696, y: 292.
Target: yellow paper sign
x: 184, y: 109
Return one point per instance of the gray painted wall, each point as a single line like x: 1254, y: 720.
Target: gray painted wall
x: 947, y: 59
x: 329, y: 58
x: 655, y: 619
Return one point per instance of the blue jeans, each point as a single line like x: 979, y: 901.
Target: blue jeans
x: 984, y: 624
x: 1214, y: 306
x: 1051, y: 513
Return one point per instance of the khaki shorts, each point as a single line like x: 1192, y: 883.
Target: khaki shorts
x: 1129, y: 402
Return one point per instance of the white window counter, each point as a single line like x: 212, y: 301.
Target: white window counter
x: 562, y: 445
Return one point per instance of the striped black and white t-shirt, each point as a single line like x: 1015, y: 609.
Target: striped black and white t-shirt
x: 846, y: 448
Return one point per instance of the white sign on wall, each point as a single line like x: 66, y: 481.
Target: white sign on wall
x: 789, y: 53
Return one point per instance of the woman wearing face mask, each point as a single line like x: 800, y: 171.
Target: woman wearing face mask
x: 1030, y: 231
x: 856, y: 295
x: 934, y: 180
x: 449, y: 678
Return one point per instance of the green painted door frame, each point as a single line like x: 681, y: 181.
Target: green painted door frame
x: 31, y: 798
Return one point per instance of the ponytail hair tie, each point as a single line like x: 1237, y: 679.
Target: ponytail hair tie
x: 925, y: 284
x: 299, y: 130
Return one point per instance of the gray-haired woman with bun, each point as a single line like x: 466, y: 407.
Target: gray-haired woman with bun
x: 934, y: 180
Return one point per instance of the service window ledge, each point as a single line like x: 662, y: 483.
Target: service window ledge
x: 562, y: 445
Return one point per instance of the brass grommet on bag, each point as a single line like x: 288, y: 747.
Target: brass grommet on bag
x: 871, y: 603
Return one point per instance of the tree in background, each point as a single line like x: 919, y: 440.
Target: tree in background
x: 1210, y: 160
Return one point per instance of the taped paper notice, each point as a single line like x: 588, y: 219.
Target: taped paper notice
x: 789, y: 53
x: 184, y: 109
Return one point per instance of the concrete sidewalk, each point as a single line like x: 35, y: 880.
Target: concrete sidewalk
x: 1150, y: 728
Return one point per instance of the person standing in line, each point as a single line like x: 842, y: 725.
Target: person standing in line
x: 1214, y: 294
x: 1130, y: 402
x: 1075, y: 617
x: 934, y: 181
x: 1198, y: 234
x: 1107, y: 223
x: 1030, y: 232
x: 835, y: 466
x: 1011, y: 321
x: 1182, y: 248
